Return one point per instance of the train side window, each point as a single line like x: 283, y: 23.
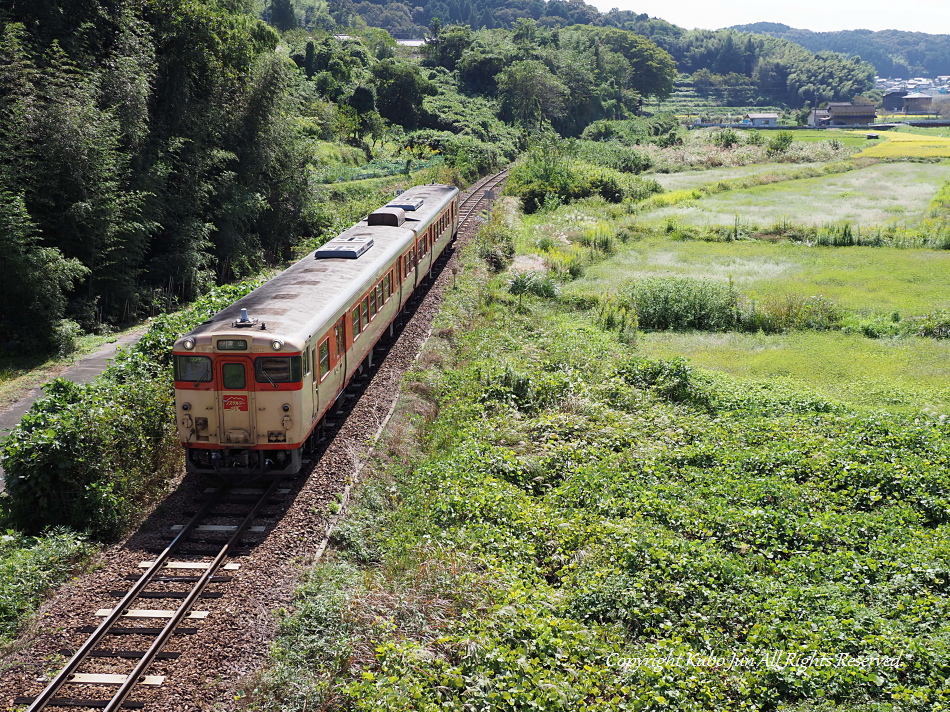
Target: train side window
x: 357, y: 327
x: 324, y: 359
x: 379, y: 295
x: 386, y: 284
x: 192, y: 368
x: 233, y: 376
x: 365, y: 306
x: 372, y: 303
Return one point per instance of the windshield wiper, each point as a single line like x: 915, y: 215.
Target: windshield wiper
x: 202, y: 377
x: 265, y: 374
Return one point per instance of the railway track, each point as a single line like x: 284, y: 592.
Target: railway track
x: 198, y: 564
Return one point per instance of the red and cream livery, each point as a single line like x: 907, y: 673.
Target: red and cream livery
x: 253, y: 382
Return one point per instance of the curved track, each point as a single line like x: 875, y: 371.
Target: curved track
x: 101, y: 675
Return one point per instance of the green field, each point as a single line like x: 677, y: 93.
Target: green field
x: 870, y: 279
x: 898, y: 375
x: 695, y: 179
x: 865, y: 197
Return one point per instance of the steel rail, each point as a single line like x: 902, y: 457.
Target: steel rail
x: 62, y: 677
x: 130, y: 681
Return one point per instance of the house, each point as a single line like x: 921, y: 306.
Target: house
x: 818, y: 117
x: 844, y: 113
x: 918, y: 103
x: 762, y: 119
x: 894, y: 100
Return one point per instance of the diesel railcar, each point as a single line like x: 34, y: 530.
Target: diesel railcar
x: 253, y: 382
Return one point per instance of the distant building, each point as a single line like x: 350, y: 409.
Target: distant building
x: 918, y: 103
x: 844, y: 113
x: 894, y: 100
x: 762, y: 119
x: 818, y: 117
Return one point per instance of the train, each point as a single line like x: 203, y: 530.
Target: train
x: 254, y: 382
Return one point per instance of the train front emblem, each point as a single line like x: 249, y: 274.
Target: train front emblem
x: 234, y: 403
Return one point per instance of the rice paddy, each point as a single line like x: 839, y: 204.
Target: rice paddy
x: 869, y: 279
x: 895, y: 144
x: 868, y: 196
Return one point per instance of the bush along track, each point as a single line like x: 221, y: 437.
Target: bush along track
x: 556, y: 524
x: 92, y: 457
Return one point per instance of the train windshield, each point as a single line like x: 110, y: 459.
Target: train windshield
x: 278, y: 369
x: 192, y: 368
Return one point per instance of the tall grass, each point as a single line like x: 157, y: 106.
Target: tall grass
x: 681, y: 303
x: 687, y: 303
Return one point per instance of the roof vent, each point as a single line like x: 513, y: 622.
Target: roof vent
x: 390, y: 215
x: 407, y: 204
x: 348, y: 248
x: 245, y: 320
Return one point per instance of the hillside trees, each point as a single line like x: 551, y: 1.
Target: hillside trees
x: 146, y: 153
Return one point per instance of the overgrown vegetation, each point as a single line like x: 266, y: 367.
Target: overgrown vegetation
x: 29, y: 568
x: 587, y: 529
x: 92, y: 457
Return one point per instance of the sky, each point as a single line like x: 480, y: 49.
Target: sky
x: 931, y: 16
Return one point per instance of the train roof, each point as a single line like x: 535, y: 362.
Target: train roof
x: 313, y: 293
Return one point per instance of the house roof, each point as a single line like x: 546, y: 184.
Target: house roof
x: 762, y: 116
x: 851, y: 109
x: 918, y: 95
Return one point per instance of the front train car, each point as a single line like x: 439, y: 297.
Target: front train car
x: 253, y: 381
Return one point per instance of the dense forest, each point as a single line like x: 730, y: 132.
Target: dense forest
x: 737, y: 67
x: 894, y: 53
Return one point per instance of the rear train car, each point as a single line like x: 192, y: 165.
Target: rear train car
x: 253, y: 382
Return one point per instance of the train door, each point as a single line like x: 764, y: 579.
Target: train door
x: 235, y: 374
x: 311, y: 355
x: 338, y: 351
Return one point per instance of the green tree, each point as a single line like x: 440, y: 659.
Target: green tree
x: 36, y: 279
x: 400, y: 89
x: 530, y: 94
x: 282, y: 15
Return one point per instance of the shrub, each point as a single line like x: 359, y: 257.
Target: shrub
x: 30, y: 567
x: 684, y: 303
x: 779, y: 143
x: 495, y: 242
x: 613, y: 315
x: 540, y: 284
x: 935, y: 325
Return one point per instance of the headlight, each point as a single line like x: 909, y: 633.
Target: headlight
x: 186, y: 406
x: 286, y: 407
x: 277, y: 344
x: 188, y: 344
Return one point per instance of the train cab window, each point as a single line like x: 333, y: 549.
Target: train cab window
x: 307, y: 360
x: 193, y: 368
x: 324, y: 359
x: 365, y: 312
x: 233, y: 377
x: 277, y: 369
x: 372, y: 304
x: 357, y: 326
x: 386, y: 288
